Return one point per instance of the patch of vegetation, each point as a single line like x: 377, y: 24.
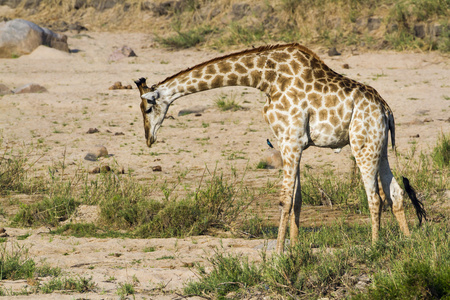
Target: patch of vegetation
x: 224, y: 103
x: 125, y: 289
x: 441, y: 152
x: 229, y: 273
x: 262, y: 165
x: 237, y: 34
x: 15, y: 263
x: 49, y: 211
x: 218, y: 24
x: 186, y: 39
x: 14, y: 171
x: 78, y: 284
x: 217, y: 204
x: 328, y: 189
x: 401, y: 268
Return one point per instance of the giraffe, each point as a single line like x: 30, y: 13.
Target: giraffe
x: 308, y: 104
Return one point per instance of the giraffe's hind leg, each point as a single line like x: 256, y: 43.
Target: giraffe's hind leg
x: 369, y: 178
x: 394, y: 193
x: 367, y: 158
x: 297, y: 206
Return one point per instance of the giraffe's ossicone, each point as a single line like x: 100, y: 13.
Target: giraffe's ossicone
x: 308, y: 104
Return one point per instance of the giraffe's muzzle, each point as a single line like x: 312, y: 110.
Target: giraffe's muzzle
x: 151, y: 140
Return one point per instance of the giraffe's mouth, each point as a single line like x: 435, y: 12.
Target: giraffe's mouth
x: 151, y: 140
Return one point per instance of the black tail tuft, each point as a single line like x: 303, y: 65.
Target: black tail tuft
x: 420, y: 211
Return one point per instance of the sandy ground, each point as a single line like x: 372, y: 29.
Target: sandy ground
x: 416, y: 86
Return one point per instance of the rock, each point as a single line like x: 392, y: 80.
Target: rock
x: 4, y: 90
x: 192, y: 110
x: 96, y: 152
x: 419, y: 30
x: 415, y: 136
x: 345, y: 66
x: 333, y: 52
x: 426, y: 120
x: 19, y: 37
x: 118, y: 86
x: 373, y: 23
x: 95, y: 170
x: 102, y: 169
x: 92, y: 130
x: 119, y: 133
x: 157, y: 169
x: 121, y: 53
x: 91, y: 157
x: 30, y: 88
x: 3, y: 232
x: 273, y: 159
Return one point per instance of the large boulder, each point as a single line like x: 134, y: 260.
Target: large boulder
x: 18, y: 37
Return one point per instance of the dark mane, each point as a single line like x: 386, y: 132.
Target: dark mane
x: 248, y: 51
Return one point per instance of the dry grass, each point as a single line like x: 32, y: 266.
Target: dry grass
x: 325, y: 22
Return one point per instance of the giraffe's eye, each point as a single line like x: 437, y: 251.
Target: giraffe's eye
x: 149, y: 110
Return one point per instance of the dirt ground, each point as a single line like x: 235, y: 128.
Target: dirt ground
x: 416, y: 86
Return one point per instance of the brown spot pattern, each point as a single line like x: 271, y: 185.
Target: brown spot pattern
x: 315, y: 100
x: 240, y: 68
x: 224, y: 67
x: 217, y: 82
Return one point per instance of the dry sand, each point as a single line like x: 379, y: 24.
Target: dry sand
x: 416, y: 86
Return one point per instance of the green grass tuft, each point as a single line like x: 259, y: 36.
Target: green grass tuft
x: 229, y: 273
x: 441, y: 152
x: 15, y: 264
x: 80, y: 284
x: 224, y: 103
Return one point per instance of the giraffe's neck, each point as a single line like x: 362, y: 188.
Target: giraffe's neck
x: 231, y: 71
x: 257, y: 68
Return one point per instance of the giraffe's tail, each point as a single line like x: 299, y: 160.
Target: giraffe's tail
x: 418, y: 205
x: 391, y: 126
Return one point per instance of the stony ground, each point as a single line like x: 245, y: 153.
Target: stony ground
x: 53, y: 127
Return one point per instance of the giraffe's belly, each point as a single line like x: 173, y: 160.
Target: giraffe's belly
x: 324, y: 135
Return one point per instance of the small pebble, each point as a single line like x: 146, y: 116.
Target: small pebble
x: 92, y: 130
x: 157, y: 169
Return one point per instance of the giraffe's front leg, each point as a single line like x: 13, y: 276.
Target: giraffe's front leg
x: 290, y: 166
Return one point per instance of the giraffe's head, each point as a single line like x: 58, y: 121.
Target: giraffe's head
x: 153, y: 108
